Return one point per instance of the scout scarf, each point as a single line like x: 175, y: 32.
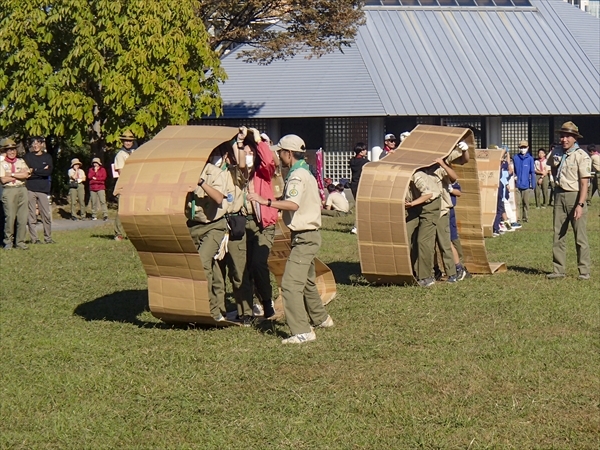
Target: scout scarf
x: 297, y: 165
x: 12, y: 163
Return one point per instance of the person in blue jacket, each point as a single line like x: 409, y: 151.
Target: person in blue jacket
x: 524, y: 178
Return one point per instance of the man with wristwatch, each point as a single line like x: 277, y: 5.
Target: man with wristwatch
x: 572, y: 166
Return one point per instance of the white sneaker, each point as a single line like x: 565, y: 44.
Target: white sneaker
x: 257, y: 310
x: 354, y: 230
x: 300, y: 338
x: 328, y: 323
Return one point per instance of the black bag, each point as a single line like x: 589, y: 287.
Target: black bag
x: 73, y: 184
x: 237, y: 227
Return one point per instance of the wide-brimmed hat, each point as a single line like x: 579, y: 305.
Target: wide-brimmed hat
x: 7, y: 143
x: 75, y: 161
x: 96, y: 160
x: 292, y: 143
x: 570, y: 128
x: 127, y: 136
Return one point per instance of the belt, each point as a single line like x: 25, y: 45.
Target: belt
x: 302, y: 231
x: 13, y: 186
x: 192, y: 223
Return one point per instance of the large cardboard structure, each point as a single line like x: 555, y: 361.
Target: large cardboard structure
x: 488, y: 168
x: 153, y: 187
x: 384, y: 250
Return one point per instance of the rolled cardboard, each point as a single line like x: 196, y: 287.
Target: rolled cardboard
x: 488, y: 169
x: 384, y: 250
x: 153, y: 187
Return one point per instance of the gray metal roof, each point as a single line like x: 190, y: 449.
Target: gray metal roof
x: 541, y: 60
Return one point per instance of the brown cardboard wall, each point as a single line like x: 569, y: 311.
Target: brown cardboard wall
x: 384, y: 251
x: 488, y: 168
x: 153, y: 186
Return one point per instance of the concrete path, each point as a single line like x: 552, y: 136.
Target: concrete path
x: 66, y: 225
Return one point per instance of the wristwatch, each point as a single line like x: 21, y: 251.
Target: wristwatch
x: 581, y: 204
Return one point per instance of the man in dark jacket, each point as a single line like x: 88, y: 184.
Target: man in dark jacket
x: 38, y: 189
x: 525, y: 178
x: 356, y: 166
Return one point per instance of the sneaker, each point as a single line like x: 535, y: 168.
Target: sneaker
x: 105, y: 218
x: 37, y: 242
x: 452, y: 279
x: 426, y: 282
x: 245, y: 321
x: 50, y: 242
x: 220, y: 318
x: 7, y: 247
x: 269, y: 310
x: 257, y: 310
x: 502, y: 228
x: 300, y: 338
x: 507, y: 225
x: 555, y: 276
x: 73, y: 218
x: 467, y: 275
x: 354, y: 230
x: 118, y: 238
x: 93, y: 218
x: 22, y: 247
x: 584, y: 276
x: 495, y: 234
x: 516, y: 225
x: 328, y: 323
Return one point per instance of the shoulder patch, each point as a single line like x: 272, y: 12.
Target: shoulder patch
x: 293, y: 192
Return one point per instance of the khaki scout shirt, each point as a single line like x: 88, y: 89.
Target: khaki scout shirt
x: 238, y: 182
x: 596, y: 163
x: 443, y: 182
x: 206, y: 209
x: 301, y: 188
x: 120, y: 159
x: 419, y: 185
x: 6, y: 170
x: 570, y: 166
x: 337, y: 202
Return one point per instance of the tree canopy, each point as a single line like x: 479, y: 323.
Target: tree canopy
x: 89, y: 70
x: 321, y: 25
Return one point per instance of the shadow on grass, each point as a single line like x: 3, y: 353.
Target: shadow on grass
x: 346, y: 272
x: 109, y: 237
x: 527, y: 270
x: 125, y: 307
x: 63, y: 213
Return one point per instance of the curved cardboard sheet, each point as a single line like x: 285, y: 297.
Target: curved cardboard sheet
x: 488, y: 168
x: 278, y: 257
x: 153, y: 187
x: 384, y: 250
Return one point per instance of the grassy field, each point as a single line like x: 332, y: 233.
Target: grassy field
x: 509, y: 361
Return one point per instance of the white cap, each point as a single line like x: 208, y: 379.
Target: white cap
x: 264, y: 137
x: 390, y: 137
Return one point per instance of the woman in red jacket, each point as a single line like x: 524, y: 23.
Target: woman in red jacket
x: 257, y: 158
x: 97, y: 179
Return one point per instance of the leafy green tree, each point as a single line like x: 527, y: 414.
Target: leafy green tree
x: 320, y: 25
x: 88, y: 70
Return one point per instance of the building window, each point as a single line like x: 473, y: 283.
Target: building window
x: 473, y: 123
x: 259, y: 124
x: 514, y: 130
x: 341, y: 135
x: 540, y: 134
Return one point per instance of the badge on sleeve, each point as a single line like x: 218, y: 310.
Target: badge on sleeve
x: 293, y: 192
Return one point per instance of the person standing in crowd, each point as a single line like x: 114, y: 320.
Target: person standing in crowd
x: 206, y: 207
x: 573, y: 172
x: 595, y: 180
x: 13, y: 173
x: 77, y: 189
x: 389, y: 145
x: 97, y: 179
x: 542, y: 179
x: 336, y: 205
x: 128, y: 141
x: 356, y: 167
x: 525, y: 178
x: 38, y: 189
x: 258, y: 160
x: 301, y: 206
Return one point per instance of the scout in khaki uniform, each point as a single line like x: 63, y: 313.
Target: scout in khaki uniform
x: 127, y: 139
x: 301, y: 207
x: 13, y: 173
x: 336, y: 205
x: 77, y: 189
x: 205, y: 210
x: 572, y: 166
x: 234, y: 261
x: 443, y: 176
x: 422, y: 203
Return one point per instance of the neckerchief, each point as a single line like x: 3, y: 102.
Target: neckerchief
x: 12, y: 163
x: 562, y: 161
x: 297, y: 165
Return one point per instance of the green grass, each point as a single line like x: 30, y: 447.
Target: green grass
x: 509, y: 361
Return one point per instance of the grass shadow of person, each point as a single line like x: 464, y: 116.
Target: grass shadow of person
x: 527, y: 270
x: 126, y: 307
x: 346, y: 272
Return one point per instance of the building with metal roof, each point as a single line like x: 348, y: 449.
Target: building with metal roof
x: 508, y: 69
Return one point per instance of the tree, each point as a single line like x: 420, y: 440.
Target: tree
x: 88, y: 70
x: 321, y: 25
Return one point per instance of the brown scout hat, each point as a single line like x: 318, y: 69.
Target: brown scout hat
x: 7, y: 143
x: 570, y: 128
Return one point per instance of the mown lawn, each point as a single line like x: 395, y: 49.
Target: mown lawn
x: 509, y: 361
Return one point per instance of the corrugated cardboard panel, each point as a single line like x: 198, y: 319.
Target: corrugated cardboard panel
x: 488, y: 167
x: 383, y: 244
x: 153, y: 187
